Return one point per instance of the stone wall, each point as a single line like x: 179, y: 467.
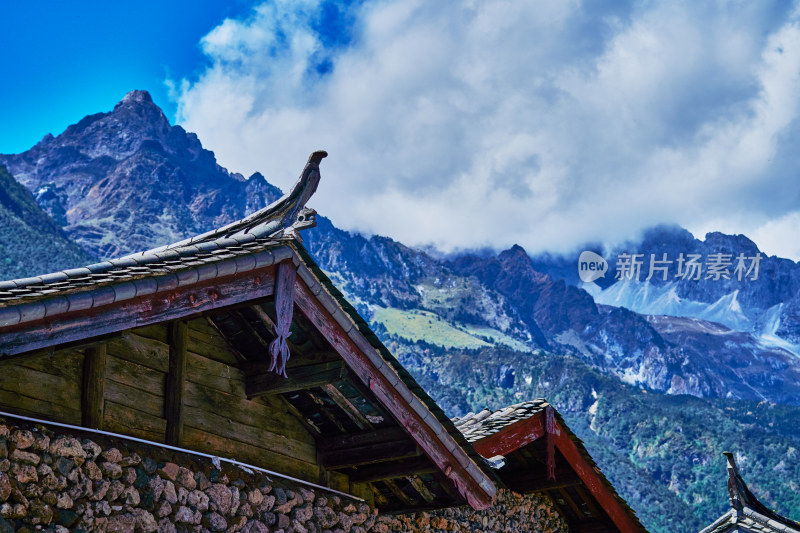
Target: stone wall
x: 54, y: 479
x: 510, y: 513
x: 75, y: 481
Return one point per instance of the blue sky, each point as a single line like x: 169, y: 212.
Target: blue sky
x: 64, y: 60
x: 462, y: 124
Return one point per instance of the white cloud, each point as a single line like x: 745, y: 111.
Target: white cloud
x: 546, y: 124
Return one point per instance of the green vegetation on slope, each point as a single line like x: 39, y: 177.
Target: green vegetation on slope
x: 661, y: 452
x: 419, y: 325
x: 30, y: 241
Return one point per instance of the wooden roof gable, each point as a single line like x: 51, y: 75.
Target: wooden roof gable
x: 294, y: 334
x: 535, y: 451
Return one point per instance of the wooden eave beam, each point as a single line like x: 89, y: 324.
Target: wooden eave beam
x: 537, y: 482
x: 381, y: 471
x: 369, y: 454
x: 348, y: 441
x: 386, y: 385
x: 301, y: 378
x: 162, y: 299
x: 512, y: 437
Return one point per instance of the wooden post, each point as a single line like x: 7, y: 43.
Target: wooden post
x: 94, y: 386
x: 176, y: 379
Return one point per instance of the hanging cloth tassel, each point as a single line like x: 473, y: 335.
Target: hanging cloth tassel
x: 284, y: 305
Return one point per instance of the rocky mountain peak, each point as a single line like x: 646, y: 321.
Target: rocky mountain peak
x: 136, y: 97
x: 107, y: 176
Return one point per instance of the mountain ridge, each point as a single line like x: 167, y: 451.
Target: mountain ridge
x: 475, y: 329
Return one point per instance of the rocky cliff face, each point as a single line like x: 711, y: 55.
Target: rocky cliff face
x: 667, y: 354
x: 127, y: 180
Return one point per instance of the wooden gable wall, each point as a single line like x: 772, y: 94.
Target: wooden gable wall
x: 217, y: 416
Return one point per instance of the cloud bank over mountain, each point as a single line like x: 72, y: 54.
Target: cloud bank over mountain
x: 547, y: 124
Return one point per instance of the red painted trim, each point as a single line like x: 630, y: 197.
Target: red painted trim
x: 389, y: 395
x: 512, y: 437
x: 142, y: 311
x: 621, y: 517
x: 545, y: 424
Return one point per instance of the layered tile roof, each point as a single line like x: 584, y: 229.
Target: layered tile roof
x: 476, y: 426
x: 238, y: 247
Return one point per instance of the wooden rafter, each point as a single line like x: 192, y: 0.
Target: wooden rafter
x: 302, y: 378
x: 345, y: 405
x: 381, y: 471
x: 472, y: 484
x: 421, y: 489
x: 399, y: 494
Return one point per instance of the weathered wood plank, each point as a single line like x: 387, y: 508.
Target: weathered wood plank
x: 213, y: 348
x: 129, y: 421
x: 254, y: 436
x: 140, y: 350
x: 157, y: 332
x: 94, y: 387
x: 304, y: 377
x: 207, y: 442
x: 63, y: 363
x: 152, y: 404
x: 19, y: 403
x: 249, y: 412
x: 36, y: 384
x: 135, y: 375
x: 201, y: 325
x: 211, y: 373
x: 176, y: 381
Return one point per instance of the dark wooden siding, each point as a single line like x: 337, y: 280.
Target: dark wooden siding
x: 43, y: 385
x: 218, y: 418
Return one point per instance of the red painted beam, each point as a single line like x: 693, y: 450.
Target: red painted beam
x: 545, y: 424
x: 512, y: 437
x: 621, y: 517
x: 388, y: 394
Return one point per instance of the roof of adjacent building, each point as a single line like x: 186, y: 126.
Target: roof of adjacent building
x: 476, y: 426
x: 516, y: 438
x: 747, y: 513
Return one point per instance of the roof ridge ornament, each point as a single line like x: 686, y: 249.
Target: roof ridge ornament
x: 282, y: 218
